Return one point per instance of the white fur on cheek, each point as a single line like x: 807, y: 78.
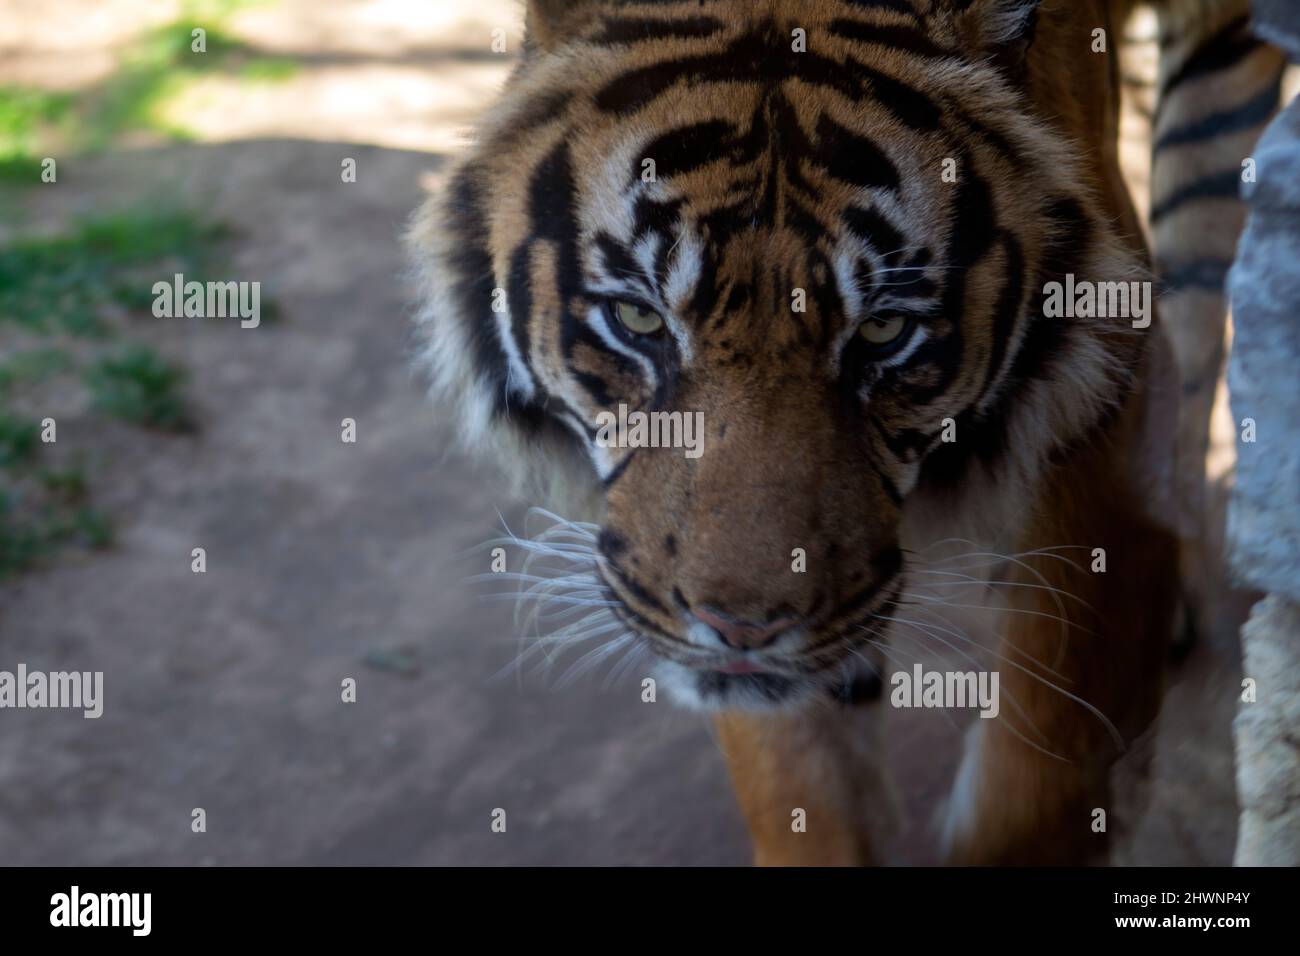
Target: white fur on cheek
x: 687, y: 264
x: 679, y: 683
x: 519, y: 380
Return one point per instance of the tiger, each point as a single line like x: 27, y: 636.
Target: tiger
x: 832, y: 228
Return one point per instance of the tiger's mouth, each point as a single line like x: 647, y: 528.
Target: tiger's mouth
x: 842, y: 663
x: 856, y: 680
x: 759, y: 689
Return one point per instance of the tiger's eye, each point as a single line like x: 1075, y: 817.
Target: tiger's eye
x: 637, y: 319
x: 882, y: 331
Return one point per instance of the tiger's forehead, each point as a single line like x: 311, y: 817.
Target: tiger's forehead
x: 772, y: 170
x: 767, y: 207
x: 746, y: 157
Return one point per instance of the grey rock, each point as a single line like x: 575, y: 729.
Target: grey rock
x: 1278, y: 21
x: 1264, y: 513
x: 1268, y: 746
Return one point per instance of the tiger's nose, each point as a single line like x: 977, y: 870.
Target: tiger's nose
x: 742, y: 635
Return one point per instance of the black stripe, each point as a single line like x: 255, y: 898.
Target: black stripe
x: 723, y: 223
x: 471, y: 263
x: 985, y: 438
x: 869, y: 226
x: 621, y: 467
x: 976, y: 222
x: 611, y: 544
x: 635, y: 621
x: 1065, y: 251
x: 1008, y: 310
x: 1235, y: 119
x: 616, y: 261
x: 762, y: 56
x: 651, y: 215
x: 825, y: 294
x: 1220, y: 51
x: 862, y: 689
x: 895, y: 37
x: 542, y: 109
x: 635, y: 587
x: 1205, y: 274
x: 995, y: 138
x: 801, y: 220
x: 906, y: 444
x: 551, y: 213
x: 551, y: 217
x: 910, y: 282
x: 705, y: 299
x: 687, y: 148
x: 595, y: 386
x: 1224, y: 185
x: 637, y: 88
x: 623, y: 30
x: 911, y: 107
x: 1043, y: 340
x: 851, y: 158
x: 893, y: 6
x: 740, y: 296
x: 972, y: 236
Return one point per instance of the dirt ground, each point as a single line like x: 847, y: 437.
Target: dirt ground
x: 329, y: 560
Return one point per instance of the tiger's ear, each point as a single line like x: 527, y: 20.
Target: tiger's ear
x: 548, y: 21
x: 1003, y: 29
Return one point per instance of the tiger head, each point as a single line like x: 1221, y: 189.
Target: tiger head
x: 820, y: 230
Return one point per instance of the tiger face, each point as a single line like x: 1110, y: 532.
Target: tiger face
x: 820, y: 229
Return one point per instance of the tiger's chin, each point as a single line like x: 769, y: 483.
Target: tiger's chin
x: 713, y: 691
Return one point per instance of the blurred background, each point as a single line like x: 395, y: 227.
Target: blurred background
x: 328, y: 560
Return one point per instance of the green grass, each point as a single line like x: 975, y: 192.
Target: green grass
x: 27, y: 116
x: 45, y: 511
x: 71, y: 309
x: 32, y: 366
x: 21, y: 170
x: 161, y: 64
x: 23, y: 113
x: 19, y: 439
x: 63, y: 283
x: 42, y: 510
x: 136, y: 385
x: 64, y: 298
x: 153, y: 68
x: 158, y: 65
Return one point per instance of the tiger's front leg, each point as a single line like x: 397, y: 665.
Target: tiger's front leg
x: 1074, y: 695
x: 812, y: 785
